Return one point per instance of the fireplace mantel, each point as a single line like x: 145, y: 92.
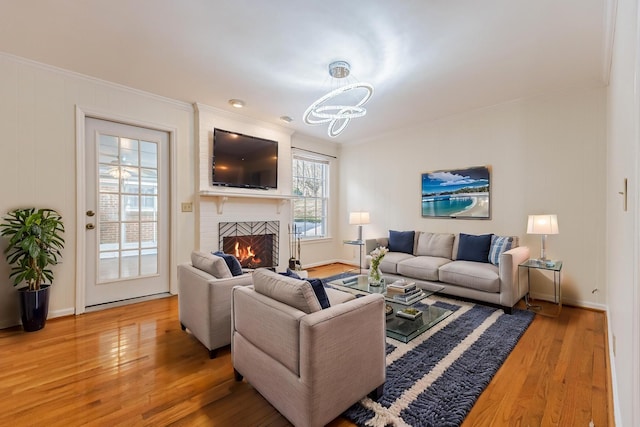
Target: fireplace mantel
x: 223, y: 196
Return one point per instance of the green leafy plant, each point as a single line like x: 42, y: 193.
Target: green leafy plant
x: 35, y: 243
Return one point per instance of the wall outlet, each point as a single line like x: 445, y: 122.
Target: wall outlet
x: 187, y: 207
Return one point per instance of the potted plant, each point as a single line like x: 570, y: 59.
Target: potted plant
x: 35, y: 243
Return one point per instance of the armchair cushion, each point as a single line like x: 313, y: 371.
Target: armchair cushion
x: 232, y: 263
x: 316, y: 284
x: 293, y: 292
x: 212, y: 264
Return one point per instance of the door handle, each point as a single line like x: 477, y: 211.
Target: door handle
x: 90, y: 213
x: 90, y: 226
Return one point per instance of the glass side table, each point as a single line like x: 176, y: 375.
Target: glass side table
x: 360, y: 244
x: 553, y: 266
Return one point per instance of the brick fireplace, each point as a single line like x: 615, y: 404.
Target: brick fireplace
x: 255, y: 243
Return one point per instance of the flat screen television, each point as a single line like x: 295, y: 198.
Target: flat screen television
x: 244, y: 161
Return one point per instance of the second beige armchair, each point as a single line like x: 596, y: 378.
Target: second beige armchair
x: 310, y: 363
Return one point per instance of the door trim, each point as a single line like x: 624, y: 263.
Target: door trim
x: 81, y: 114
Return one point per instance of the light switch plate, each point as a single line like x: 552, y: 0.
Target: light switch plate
x: 187, y: 207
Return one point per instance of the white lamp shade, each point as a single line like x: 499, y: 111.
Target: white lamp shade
x: 359, y: 218
x: 542, y: 224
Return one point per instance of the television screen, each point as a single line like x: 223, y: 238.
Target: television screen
x: 244, y: 161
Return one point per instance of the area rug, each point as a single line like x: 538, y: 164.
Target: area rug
x: 436, y: 379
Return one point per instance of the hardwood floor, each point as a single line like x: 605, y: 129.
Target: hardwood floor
x: 133, y: 365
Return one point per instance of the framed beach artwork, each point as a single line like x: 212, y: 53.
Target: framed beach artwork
x: 457, y: 193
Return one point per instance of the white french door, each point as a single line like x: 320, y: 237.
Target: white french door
x: 127, y: 211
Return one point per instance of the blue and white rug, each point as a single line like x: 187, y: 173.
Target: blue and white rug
x: 435, y: 379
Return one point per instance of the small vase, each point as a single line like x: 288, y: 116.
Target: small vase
x: 375, y: 277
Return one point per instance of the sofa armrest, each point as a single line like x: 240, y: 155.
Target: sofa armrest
x: 510, y: 290
x: 342, y: 350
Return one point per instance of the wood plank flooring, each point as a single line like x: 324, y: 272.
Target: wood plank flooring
x: 134, y: 366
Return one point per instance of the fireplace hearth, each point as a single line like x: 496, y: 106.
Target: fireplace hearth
x: 255, y: 244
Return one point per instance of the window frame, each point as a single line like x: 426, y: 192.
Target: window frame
x: 323, y: 200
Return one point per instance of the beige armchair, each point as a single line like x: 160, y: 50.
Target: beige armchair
x: 310, y: 364
x: 204, y: 299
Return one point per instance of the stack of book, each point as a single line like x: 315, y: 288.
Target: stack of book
x: 404, y: 292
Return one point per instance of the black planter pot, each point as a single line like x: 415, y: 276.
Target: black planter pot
x: 34, y: 308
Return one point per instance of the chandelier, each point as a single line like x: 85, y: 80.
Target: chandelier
x: 340, y: 105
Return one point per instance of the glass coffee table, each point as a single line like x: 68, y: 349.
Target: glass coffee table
x: 399, y: 328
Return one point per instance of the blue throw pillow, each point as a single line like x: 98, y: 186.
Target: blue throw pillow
x: 318, y: 288
x: 291, y: 273
x: 232, y: 263
x: 474, y: 248
x: 316, y: 284
x: 401, y: 241
x: 499, y: 244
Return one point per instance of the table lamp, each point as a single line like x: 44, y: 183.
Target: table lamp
x: 359, y: 218
x: 543, y: 225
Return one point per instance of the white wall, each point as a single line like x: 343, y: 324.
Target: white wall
x: 38, y: 160
x: 547, y: 155
x: 622, y: 227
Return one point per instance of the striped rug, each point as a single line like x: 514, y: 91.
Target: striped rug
x: 435, y: 379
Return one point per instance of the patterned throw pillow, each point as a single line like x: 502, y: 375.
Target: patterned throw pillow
x: 499, y: 244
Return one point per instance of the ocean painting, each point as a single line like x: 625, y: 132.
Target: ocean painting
x: 456, y: 193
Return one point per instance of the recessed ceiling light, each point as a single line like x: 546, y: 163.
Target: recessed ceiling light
x: 236, y: 103
x: 286, y: 119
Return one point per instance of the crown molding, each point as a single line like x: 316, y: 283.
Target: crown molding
x: 94, y: 80
x: 232, y: 115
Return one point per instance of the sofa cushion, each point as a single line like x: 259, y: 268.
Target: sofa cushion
x: 435, y: 244
x: 389, y: 263
x: 470, y: 274
x: 401, y: 241
x: 293, y: 292
x: 474, y: 248
x: 316, y: 284
x: 338, y: 297
x: 212, y: 264
x: 232, y: 263
x: 499, y: 244
x: 422, y: 267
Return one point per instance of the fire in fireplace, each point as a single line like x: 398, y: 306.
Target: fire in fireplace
x: 255, y: 244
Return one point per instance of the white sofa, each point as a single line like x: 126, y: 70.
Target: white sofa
x: 433, y: 261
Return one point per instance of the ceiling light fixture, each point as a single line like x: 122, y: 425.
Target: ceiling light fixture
x: 286, y: 119
x: 236, y: 103
x: 340, y: 105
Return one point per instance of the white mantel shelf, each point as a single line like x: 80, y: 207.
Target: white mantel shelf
x: 222, y: 197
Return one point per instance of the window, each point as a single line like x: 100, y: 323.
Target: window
x: 311, y: 184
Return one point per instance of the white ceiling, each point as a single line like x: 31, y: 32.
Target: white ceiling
x: 426, y: 58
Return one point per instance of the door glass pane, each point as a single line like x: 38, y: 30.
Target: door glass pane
x: 130, y: 211
x: 149, y: 262
x: 148, y: 154
x: 108, y: 268
x: 129, y: 264
x: 109, y: 207
x: 131, y: 235
x: 129, y: 152
x: 128, y: 208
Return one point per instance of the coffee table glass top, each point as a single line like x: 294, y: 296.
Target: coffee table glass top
x: 399, y: 328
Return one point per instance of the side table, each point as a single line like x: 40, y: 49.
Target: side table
x: 556, y: 268
x: 360, y: 244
